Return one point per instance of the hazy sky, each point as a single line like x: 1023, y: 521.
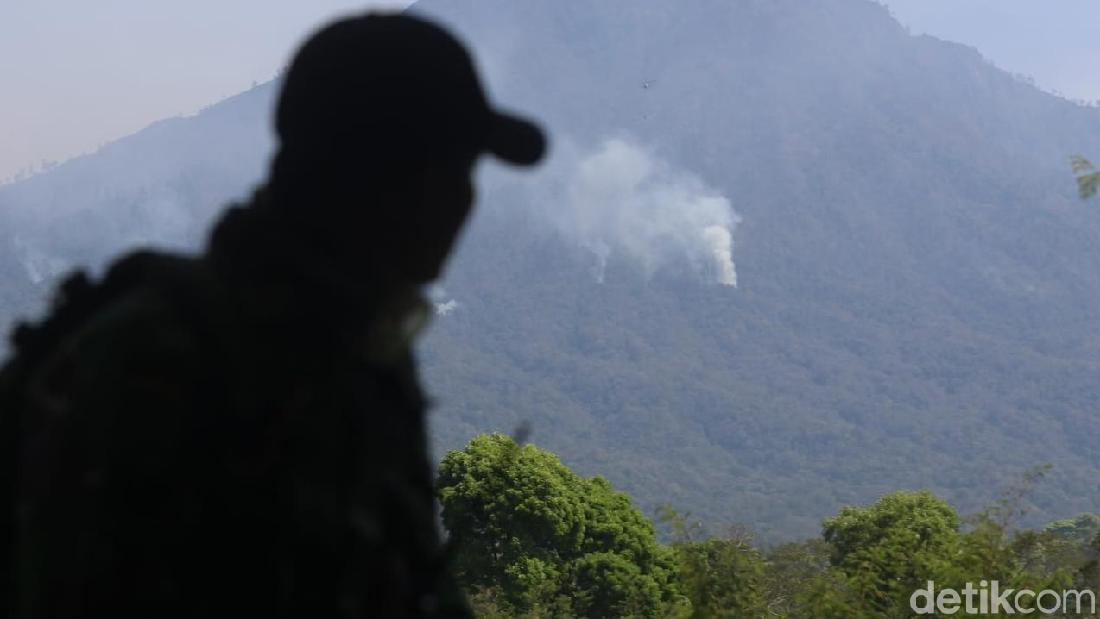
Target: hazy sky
x: 75, y: 74
x: 1053, y: 41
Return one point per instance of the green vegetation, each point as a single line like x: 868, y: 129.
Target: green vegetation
x: 721, y: 576
x: 534, y: 539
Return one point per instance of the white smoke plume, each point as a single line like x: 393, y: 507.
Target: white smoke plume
x: 720, y: 241
x: 441, y: 301
x: 619, y: 199
x: 443, y: 309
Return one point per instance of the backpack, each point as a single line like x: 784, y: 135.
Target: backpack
x: 78, y: 300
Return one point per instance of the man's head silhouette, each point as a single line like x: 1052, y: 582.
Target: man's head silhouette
x: 380, y: 121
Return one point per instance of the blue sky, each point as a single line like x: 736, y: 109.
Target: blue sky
x: 75, y: 74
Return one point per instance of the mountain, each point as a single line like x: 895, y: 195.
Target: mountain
x: 917, y: 298
x: 161, y: 186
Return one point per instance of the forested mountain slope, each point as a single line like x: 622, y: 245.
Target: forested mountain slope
x: 918, y: 288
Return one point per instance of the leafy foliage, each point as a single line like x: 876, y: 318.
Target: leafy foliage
x: 792, y: 571
x: 547, y: 540
x: 721, y: 576
x: 867, y: 563
x: 889, y: 549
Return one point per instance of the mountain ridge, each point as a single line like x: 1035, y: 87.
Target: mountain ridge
x: 918, y: 292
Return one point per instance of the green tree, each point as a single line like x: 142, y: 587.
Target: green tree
x: 1081, y: 529
x: 995, y: 549
x: 721, y: 576
x: 790, y: 571
x: 882, y: 553
x: 545, y: 541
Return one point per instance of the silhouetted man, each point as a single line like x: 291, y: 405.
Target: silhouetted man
x: 242, y: 434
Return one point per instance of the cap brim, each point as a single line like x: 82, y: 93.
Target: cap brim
x: 515, y: 140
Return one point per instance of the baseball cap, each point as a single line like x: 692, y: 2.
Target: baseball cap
x: 379, y: 80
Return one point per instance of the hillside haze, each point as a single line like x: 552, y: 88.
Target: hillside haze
x: 917, y: 298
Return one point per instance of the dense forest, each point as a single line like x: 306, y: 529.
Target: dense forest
x: 917, y: 295
x: 531, y: 538
x: 918, y: 288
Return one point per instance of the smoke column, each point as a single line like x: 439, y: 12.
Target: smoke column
x: 720, y: 242
x: 620, y: 200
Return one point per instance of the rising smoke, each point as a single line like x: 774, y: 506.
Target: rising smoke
x: 619, y: 199
x: 445, y: 308
x: 720, y: 242
x: 442, y: 302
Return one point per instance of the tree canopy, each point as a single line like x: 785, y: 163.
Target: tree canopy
x: 532, y: 534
